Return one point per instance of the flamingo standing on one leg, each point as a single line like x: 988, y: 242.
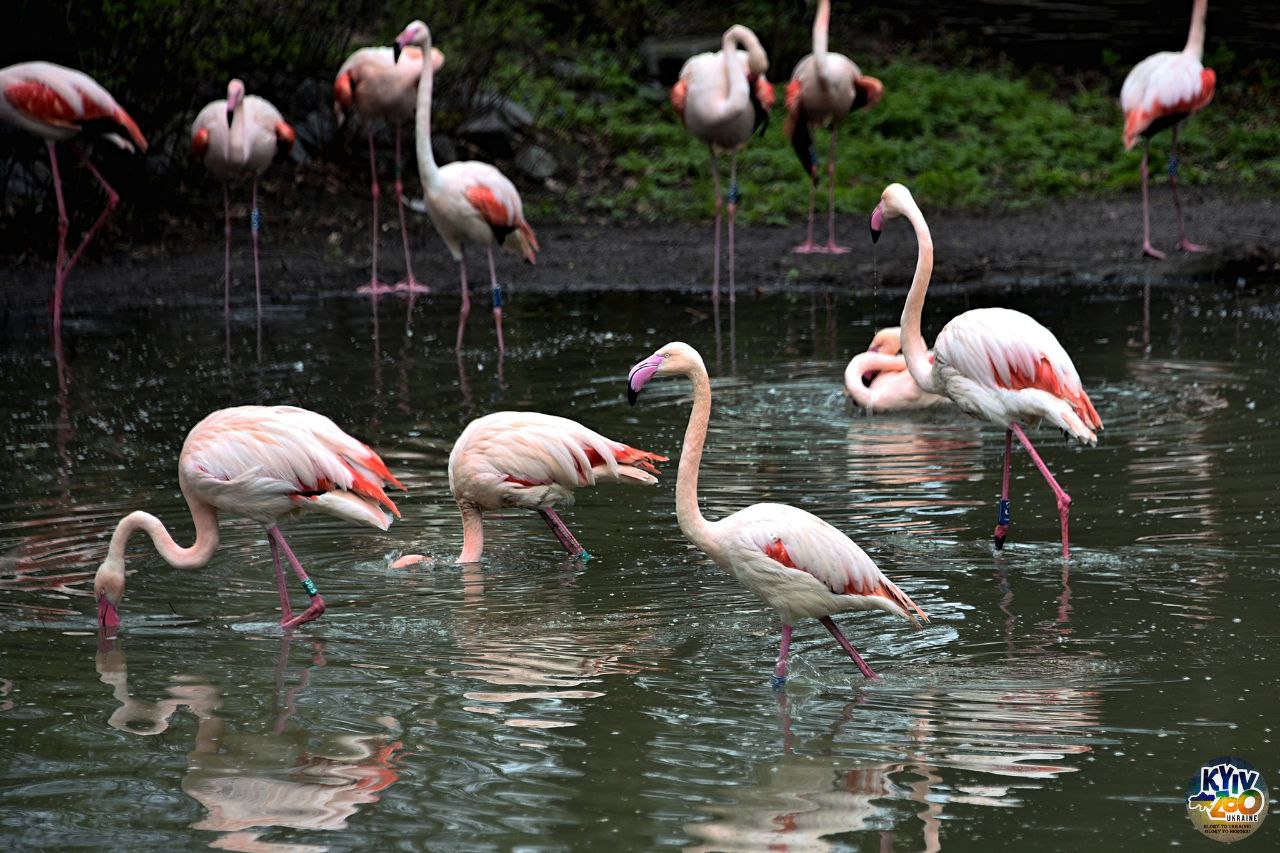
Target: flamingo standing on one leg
x: 534, y: 461
x: 824, y: 88
x: 878, y: 380
x: 468, y: 201
x: 722, y: 98
x: 235, y: 138
x: 1160, y: 92
x: 266, y: 463
x: 56, y: 104
x: 996, y: 364
x: 796, y: 562
x: 380, y: 85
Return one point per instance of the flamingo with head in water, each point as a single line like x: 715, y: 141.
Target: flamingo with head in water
x: 878, y: 380
x: 798, y: 564
x: 997, y: 365
x: 722, y: 98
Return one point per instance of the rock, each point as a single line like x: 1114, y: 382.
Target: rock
x: 663, y: 58
x: 536, y: 162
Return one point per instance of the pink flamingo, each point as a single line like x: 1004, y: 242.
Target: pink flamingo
x: 265, y: 463
x: 378, y: 84
x: 236, y: 138
x: 56, y: 104
x: 1160, y: 92
x: 824, y: 88
x: 878, y: 381
x: 998, y: 365
x: 468, y: 201
x: 534, y: 461
x: 722, y: 98
x: 796, y: 562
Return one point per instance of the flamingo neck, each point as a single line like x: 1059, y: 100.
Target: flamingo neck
x: 200, y: 552
x: 821, y: 23
x: 427, y: 167
x: 737, y: 37
x: 913, y: 345
x: 472, y: 533
x: 692, y: 523
x: 1195, y: 38
x: 864, y: 362
x: 237, y: 138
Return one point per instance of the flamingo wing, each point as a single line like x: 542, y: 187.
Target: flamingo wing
x: 1162, y: 89
x: 497, y: 202
x: 199, y: 143
x: 51, y: 96
x: 679, y: 97
x: 867, y: 92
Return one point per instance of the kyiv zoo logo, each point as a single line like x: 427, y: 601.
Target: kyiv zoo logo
x: 1227, y: 799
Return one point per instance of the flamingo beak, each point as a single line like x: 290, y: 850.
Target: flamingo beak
x: 640, y: 376
x: 877, y: 222
x: 395, y: 51
x: 108, y: 615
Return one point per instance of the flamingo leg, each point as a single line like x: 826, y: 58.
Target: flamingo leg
x: 733, y: 207
x: 1147, y: 249
x: 255, y: 225
x: 1183, y: 243
x: 831, y: 247
x: 715, y: 264
x: 808, y: 246
x: 465, y: 310
x: 847, y: 646
x: 59, y: 276
x: 316, y: 608
x: 286, y: 609
x: 64, y: 268
x: 784, y: 651
x: 1064, y: 499
x: 409, y: 284
x: 562, y: 534
x: 226, y: 259
x: 374, y: 287
x: 1002, y: 508
x: 497, y: 300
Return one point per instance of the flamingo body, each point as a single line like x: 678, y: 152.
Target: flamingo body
x: 534, y: 461
x: 878, y: 379
x: 243, y: 150
x: 270, y: 464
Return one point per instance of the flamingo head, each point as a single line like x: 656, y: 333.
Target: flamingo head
x: 887, y: 341
x: 896, y: 200
x: 416, y: 34
x: 108, y: 589
x: 674, y: 359
x: 235, y: 96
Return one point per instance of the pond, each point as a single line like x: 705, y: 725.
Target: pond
x: 530, y: 703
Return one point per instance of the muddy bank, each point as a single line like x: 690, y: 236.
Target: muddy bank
x: 1077, y: 243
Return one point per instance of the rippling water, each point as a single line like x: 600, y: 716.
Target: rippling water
x: 535, y: 704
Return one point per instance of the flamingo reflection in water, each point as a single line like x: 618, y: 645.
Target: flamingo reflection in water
x: 250, y: 782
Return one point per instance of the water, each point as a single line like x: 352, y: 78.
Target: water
x: 532, y: 704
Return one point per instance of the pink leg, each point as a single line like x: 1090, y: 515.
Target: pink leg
x: 1183, y: 243
x: 715, y: 264
x: 497, y: 300
x: 784, y: 651
x: 832, y: 247
x: 808, y: 247
x: 286, y: 609
x: 59, y: 276
x: 374, y: 286
x: 733, y: 206
x: 847, y: 646
x: 255, y: 225
x: 226, y: 260
x: 465, y: 310
x: 1002, y: 508
x: 316, y: 608
x: 1064, y: 499
x: 409, y: 284
x: 1147, y: 249
x: 565, y: 538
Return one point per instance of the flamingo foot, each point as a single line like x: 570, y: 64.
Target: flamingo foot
x: 108, y: 615
x: 314, y: 611
x: 1187, y: 246
x: 1152, y: 252
x: 808, y: 247
x: 832, y: 248
x: 374, y: 288
x: 409, y: 284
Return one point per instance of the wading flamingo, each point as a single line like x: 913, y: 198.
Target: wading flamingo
x: 379, y: 85
x: 722, y: 98
x: 1160, y: 92
x: 266, y: 463
x: 236, y: 138
x: 56, y: 104
x: 998, y: 365
x: 824, y: 88
x: 796, y: 562
x: 534, y: 461
x: 878, y: 380
x: 468, y: 201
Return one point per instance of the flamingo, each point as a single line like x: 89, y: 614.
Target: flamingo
x: 824, y: 88
x: 266, y: 463
x: 1161, y: 91
x: 380, y: 85
x: 468, y: 201
x: 236, y: 138
x: 722, y: 98
x: 878, y: 381
x: 56, y: 104
x: 997, y: 365
x: 796, y: 562
x: 534, y: 461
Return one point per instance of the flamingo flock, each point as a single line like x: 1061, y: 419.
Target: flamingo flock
x: 277, y: 464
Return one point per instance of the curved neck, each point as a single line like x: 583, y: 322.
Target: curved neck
x: 472, y: 533
x: 739, y: 36
x: 200, y: 552
x: 427, y: 167
x: 864, y: 362
x: 821, y: 22
x: 692, y: 524
x: 1195, y: 38
x: 913, y: 345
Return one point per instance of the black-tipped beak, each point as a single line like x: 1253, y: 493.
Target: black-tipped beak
x: 632, y: 395
x: 231, y: 114
x: 875, y: 236
x: 395, y: 52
